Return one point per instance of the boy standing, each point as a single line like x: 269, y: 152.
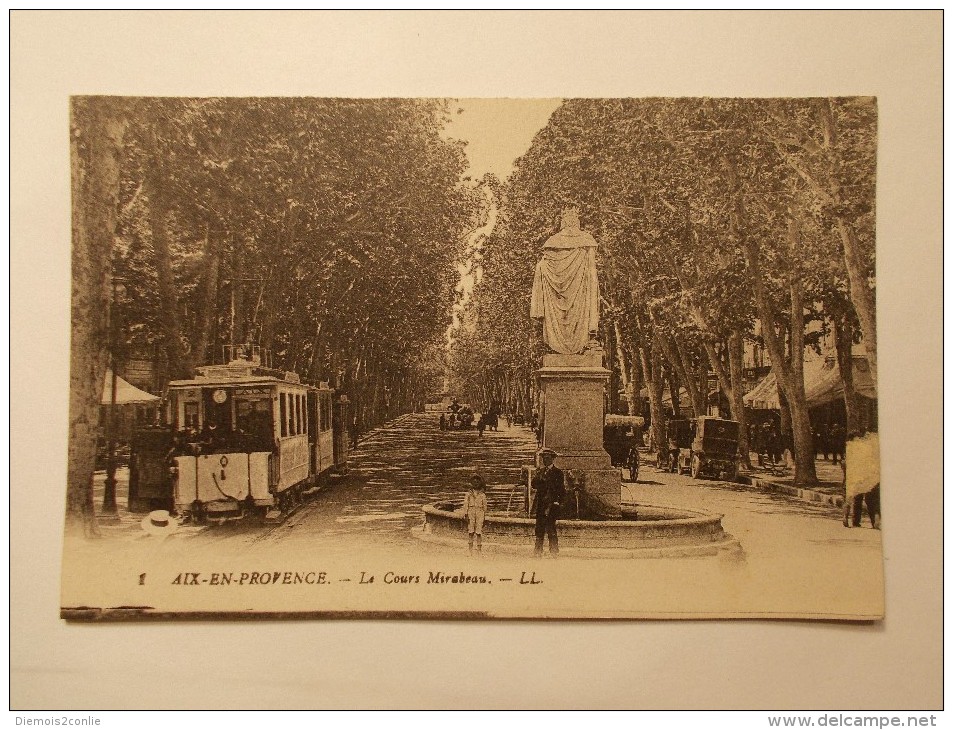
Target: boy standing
x: 474, y: 509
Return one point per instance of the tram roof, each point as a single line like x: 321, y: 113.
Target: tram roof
x: 239, y: 381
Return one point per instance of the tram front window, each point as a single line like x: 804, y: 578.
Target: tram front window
x: 253, y: 421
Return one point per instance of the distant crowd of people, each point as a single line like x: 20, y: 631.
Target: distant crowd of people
x: 830, y: 441
x: 769, y: 442
x: 457, y: 417
x: 460, y: 417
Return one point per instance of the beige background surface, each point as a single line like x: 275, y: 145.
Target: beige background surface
x: 892, y: 665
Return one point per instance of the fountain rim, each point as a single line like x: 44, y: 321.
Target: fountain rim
x: 698, y: 517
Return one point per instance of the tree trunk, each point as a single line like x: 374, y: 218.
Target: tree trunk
x: 635, y: 382
x: 170, y: 329
x: 804, y: 455
x: 674, y: 390
x: 623, y: 362
x: 789, y: 374
x: 96, y: 137
x: 860, y: 294
x: 652, y: 372
x: 736, y: 393
x: 206, y: 312
x: 787, y: 428
x: 843, y: 344
x: 692, y: 378
x: 316, y: 363
x: 612, y: 404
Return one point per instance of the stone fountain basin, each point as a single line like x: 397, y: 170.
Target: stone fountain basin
x: 645, y: 530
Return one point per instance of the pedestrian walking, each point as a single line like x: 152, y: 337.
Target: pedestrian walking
x: 754, y: 441
x: 838, y: 441
x: 820, y: 442
x: 777, y: 446
x: 550, y: 485
x: 862, y: 481
x: 443, y: 422
x: 474, y: 510
x: 767, y: 435
x: 854, y: 508
x: 481, y: 425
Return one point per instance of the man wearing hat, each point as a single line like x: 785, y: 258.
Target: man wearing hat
x: 550, y: 486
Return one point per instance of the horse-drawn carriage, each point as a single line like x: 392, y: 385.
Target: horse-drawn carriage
x: 459, y: 417
x: 621, y: 436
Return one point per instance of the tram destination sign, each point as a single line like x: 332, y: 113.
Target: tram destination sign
x: 252, y: 391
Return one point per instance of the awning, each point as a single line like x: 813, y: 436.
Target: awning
x: 822, y: 384
x: 126, y: 392
x: 829, y: 387
x: 764, y: 396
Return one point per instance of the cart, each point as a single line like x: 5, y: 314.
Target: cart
x: 620, y: 438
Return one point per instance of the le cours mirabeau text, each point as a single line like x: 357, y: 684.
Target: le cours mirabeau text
x: 320, y: 578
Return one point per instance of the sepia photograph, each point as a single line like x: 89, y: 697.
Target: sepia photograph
x: 476, y: 359
x: 473, y: 357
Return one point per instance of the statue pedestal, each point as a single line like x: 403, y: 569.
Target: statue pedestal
x: 573, y: 388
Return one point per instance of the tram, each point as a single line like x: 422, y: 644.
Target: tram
x: 240, y: 438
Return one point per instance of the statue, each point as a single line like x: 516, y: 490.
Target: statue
x: 566, y: 289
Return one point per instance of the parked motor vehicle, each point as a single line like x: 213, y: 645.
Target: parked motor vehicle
x: 714, y: 448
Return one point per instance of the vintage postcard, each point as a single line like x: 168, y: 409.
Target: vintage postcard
x: 473, y: 358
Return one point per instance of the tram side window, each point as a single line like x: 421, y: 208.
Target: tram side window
x: 291, y: 414
x: 283, y: 413
x: 300, y: 413
x: 325, y: 411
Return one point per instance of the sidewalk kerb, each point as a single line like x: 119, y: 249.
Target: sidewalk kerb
x: 808, y: 495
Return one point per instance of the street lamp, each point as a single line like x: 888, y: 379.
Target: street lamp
x: 109, y: 494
